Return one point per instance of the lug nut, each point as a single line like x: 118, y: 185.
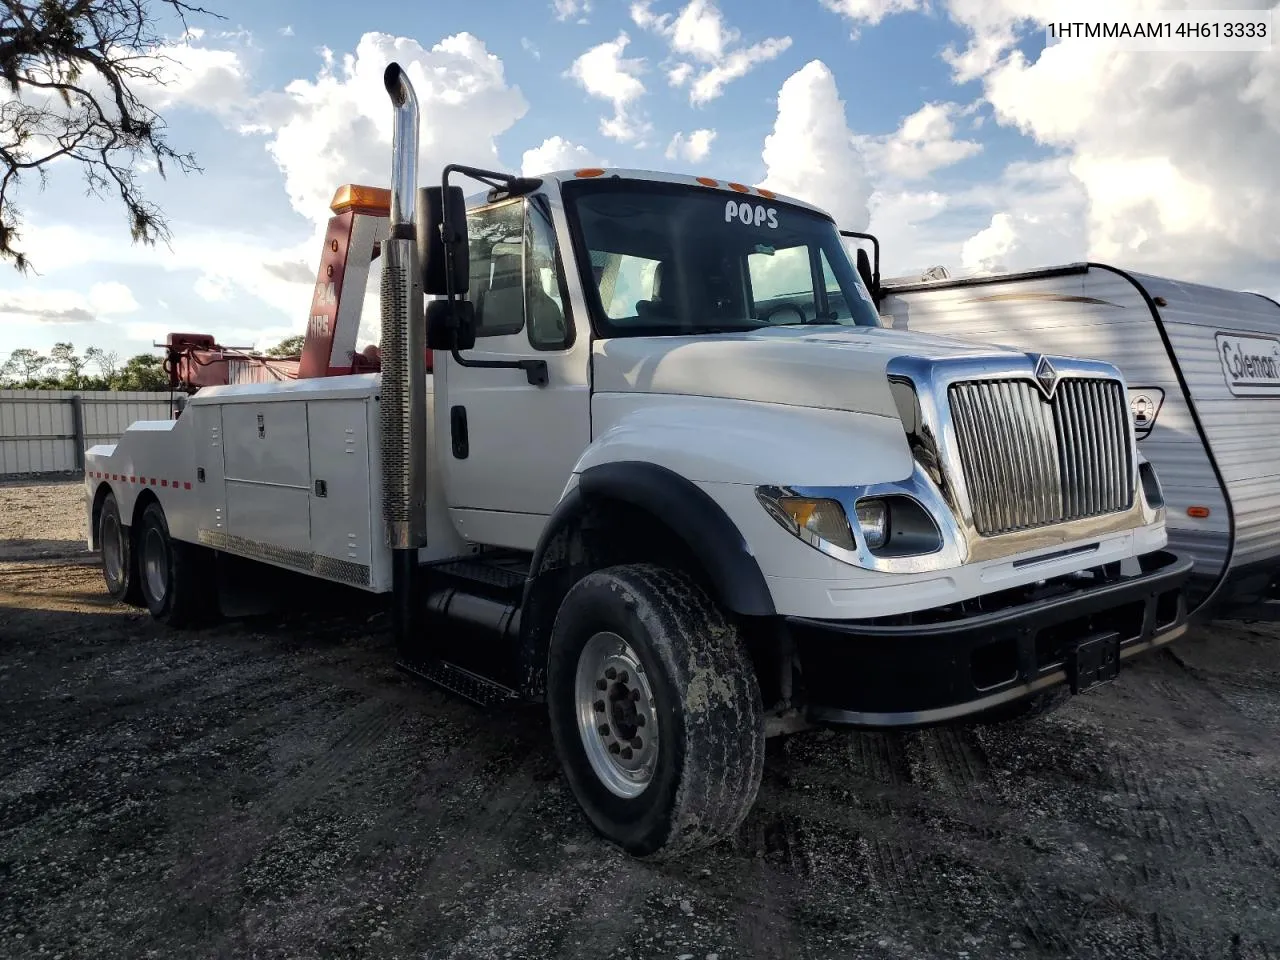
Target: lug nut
x: 622, y: 676
x: 604, y: 729
x: 626, y: 753
x: 640, y: 720
x: 637, y: 742
x: 635, y: 693
x: 614, y: 748
x: 602, y: 685
x: 599, y: 706
x: 610, y: 673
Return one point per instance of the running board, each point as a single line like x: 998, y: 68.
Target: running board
x: 454, y: 679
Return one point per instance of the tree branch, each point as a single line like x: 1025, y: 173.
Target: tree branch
x: 48, y: 46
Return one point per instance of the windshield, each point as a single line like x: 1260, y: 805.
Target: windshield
x: 672, y: 259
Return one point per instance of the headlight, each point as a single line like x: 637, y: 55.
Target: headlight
x: 814, y: 520
x: 887, y: 527
x: 873, y: 520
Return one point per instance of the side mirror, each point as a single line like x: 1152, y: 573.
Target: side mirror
x: 446, y: 261
x: 451, y: 325
x: 864, y: 270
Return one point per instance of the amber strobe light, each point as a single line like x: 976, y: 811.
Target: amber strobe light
x: 353, y: 196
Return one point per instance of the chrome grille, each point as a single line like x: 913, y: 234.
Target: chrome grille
x: 1030, y: 462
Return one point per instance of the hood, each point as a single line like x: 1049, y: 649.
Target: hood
x: 830, y: 367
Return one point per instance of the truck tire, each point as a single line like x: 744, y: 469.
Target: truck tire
x: 655, y: 711
x: 114, y: 543
x: 176, y: 577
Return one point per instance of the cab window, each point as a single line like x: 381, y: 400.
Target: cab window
x: 516, y: 277
x: 495, y: 237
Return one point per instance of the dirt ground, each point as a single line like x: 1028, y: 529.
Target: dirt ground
x: 274, y: 787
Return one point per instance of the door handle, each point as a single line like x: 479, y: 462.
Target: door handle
x: 458, y: 432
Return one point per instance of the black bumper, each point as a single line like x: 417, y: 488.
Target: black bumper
x: 940, y: 665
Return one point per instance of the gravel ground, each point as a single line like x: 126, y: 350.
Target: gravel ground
x: 273, y: 787
x: 42, y: 519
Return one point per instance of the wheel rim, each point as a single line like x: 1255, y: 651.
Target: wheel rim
x: 112, y: 548
x: 617, y: 719
x: 155, y: 564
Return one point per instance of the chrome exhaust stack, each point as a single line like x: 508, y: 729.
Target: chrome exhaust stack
x: 403, y: 409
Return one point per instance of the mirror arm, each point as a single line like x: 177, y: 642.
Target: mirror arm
x: 535, y: 370
x: 875, y: 247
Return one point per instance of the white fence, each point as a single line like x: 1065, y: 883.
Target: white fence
x: 47, y: 431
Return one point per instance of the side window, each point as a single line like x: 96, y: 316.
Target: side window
x: 549, y: 328
x: 781, y: 277
x: 836, y: 304
x: 495, y: 236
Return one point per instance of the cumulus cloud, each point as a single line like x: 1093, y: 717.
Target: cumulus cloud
x: 1174, y: 154
x: 603, y: 72
x: 571, y: 9
x: 112, y: 297
x: 556, y: 153
x: 699, y: 33
x: 873, y: 11
x: 212, y: 79
x: 246, y: 261
x: 910, y: 238
x: 811, y: 153
x: 693, y: 147
x: 531, y: 48
x: 924, y: 143
x: 337, y: 128
x: 67, y: 306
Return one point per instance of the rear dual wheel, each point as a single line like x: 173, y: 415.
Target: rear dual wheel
x: 177, y: 578
x: 146, y: 567
x: 655, y: 711
x: 118, y: 568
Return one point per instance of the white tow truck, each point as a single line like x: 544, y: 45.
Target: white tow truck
x: 667, y: 473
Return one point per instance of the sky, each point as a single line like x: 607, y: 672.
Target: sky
x: 946, y: 127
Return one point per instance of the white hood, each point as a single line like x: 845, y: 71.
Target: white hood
x: 829, y: 367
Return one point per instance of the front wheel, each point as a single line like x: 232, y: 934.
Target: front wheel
x: 655, y: 711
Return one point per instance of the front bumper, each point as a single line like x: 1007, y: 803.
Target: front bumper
x: 940, y: 665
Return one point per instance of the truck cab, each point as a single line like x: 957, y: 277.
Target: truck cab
x: 669, y: 474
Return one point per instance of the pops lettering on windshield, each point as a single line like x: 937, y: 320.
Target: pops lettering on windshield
x: 750, y: 213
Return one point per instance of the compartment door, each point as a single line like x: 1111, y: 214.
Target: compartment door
x: 210, y: 486
x: 342, y: 510
x: 268, y: 477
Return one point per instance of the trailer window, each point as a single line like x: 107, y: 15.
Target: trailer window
x: 676, y: 259
x: 495, y: 236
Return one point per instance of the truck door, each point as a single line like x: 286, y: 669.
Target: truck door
x: 507, y: 447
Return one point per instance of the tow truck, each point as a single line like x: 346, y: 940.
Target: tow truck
x: 637, y: 446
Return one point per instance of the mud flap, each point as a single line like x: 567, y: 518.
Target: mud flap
x: 1094, y: 661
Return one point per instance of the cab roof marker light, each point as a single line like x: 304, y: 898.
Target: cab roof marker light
x: 589, y: 172
x: 767, y: 194
x: 739, y: 187
x: 362, y: 199
x: 707, y: 181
